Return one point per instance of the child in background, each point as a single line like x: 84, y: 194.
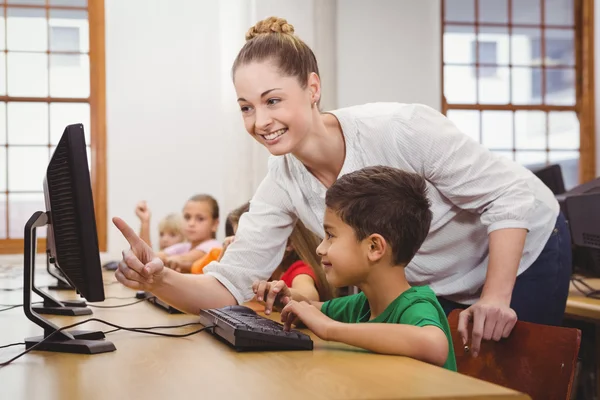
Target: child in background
x: 201, y: 221
x: 300, y: 267
x: 169, y: 228
x: 375, y: 221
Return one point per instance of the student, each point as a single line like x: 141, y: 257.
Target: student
x: 201, y: 221
x: 498, y: 245
x: 300, y: 268
x: 375, y: 221
x: 169, y: 228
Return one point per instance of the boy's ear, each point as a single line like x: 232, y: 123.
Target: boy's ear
x: 377, y: 247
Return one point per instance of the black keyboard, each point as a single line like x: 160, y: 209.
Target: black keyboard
x: 244, y: 330
x: 161, y: 304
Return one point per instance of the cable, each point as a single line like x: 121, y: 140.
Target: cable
x: 117, y: 306
x: 591, y: 292
x: 19, y: 288
x: 11, y: 306
x: 156, y: 327
x: 4, y: 364
x: 12, y: 344
x: 119, y: 298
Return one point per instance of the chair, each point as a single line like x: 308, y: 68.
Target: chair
x: 538, y: 360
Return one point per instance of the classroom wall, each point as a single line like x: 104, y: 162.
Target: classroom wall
x: 389, y: 50
x: 173, y: 125
x: 597, y: 79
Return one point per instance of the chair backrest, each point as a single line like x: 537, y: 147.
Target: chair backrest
x: 538, y: 360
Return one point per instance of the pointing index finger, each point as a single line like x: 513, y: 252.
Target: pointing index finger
x: 127, y: 232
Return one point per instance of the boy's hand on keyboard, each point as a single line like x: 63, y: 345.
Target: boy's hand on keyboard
x: 140, y: 269
x: 274, y: 293
x: 310, y: 315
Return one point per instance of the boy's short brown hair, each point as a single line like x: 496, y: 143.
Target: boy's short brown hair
x: 386, y: 201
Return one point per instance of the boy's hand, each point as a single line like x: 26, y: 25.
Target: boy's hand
x: 274, y: 293
x: 142, y: 211
x: 313, y: 318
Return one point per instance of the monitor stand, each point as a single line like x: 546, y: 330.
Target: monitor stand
x: 61, y: 282
x: 53, y: 339
x: 59, y: 307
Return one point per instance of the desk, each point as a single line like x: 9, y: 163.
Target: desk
x: 149, y: 367
x: 587, y: 309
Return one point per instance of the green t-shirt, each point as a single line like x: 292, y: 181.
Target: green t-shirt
x: 417, y: 306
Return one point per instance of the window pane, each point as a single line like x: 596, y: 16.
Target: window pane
x: 560, y: 47
x: 459, y: 84
x: 70, y: 3
x: 2, y: 174
x: 560, y: 86
x: 525, y: 46
x: 2, y: 30
x: 69, y: 75
x: 458, y: 42
x: 27, y: 123
x: 27, y: 29
x: 526, y: 85
x: 27, y: 74
x: 460, y: 10
x: 467, y: 121
x: 69, y: 31
x: 559, y: 12
x: 20, y: 208
x: 527, y: 12
x: 497, y: 129
x: 2, y: 126
x: 2, y: 216
x: 530, y: 130
x: 2, y: 73
x: 563, y: 130
x: 495, y: 11
x: 494, y: 85
x: 493, y: 45
x: 27, y: 168
x: 506, y: 154
x: 34, y: 2
x: 63, y: 114
x: 531, y: 158
x: 569, y: 163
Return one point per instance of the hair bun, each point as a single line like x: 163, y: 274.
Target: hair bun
x: 270, y: 25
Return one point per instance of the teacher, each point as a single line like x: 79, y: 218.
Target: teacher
x: 497, y: 247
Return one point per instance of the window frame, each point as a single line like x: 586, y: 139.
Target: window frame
x: 97, y: 101
x: 584, y: 80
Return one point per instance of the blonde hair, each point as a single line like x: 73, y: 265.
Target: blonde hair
x: 273, y: 39
x: 172, y: 223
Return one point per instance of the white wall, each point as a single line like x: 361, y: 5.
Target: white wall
x: 388, y: 50
x: 173, y: 126
x: 163, y: 102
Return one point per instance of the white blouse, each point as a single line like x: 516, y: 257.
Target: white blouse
x: 472, y: 191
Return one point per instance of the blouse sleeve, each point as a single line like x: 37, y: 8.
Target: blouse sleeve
x: 260, y: 241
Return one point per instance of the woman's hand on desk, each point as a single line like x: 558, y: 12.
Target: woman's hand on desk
x: 140, y: 269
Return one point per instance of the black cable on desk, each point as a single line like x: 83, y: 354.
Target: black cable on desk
x: 146, y: 331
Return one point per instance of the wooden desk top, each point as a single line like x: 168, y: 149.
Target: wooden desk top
x: 150, y: 367
x: 584, y: 307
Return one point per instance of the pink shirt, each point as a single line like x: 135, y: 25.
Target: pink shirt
x: 182, y: 248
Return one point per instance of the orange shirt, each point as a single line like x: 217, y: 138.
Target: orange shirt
x: 212, y: 255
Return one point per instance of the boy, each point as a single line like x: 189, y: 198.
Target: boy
x: 375, y: 221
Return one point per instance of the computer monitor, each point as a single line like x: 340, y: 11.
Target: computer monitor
x: 72, y: 244
x: 584, y: 222
x: 590, y: 187
x: 551, y: 176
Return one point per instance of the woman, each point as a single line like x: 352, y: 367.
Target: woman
x: 493, y: 220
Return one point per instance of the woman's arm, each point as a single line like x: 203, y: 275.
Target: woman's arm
x: 260, y: 242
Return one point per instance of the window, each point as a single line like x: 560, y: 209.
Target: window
x: 516, y: 77
x: 51, y: 75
